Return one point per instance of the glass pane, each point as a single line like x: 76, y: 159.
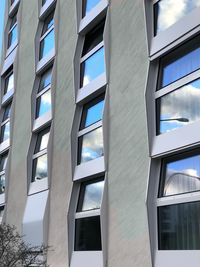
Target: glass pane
x: 181, y: 66
x: 9, y: 83
x: 93, y: 38
x: 47, y: 44
x: 39, y: 168
x: 93, y: 67
x: 88, y: 234
x: 181, y: 176
x: 12, y: 36
x: 170, y: 11
x: 179, y: 108
x: 92, y: 112
x: 5, y: 132
x: 2, y: 15
x: 42, y: 141
x: 2, y: 183
x: 45, y: 80
x: 43, y: 2
x: 89, y: 5
x: 178, y: 227
x: 3, y: 162
x: 1, y: 213
x: 48, y: 23
x: 6, y: 114
x: 91, y: 145
x: 44, y: 103
x: 90, y: 196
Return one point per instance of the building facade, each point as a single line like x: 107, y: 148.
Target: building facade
x: 99, y: 139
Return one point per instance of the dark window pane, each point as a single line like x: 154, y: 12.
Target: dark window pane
x: 43, y: 2
x: 48, y: 23
x: 91, y: 146
x: 179, y: 108
x: 88, y: 5
x: 180, y: 175
x: 43, y: 104
x: 45, y: 80
x: 3, y: 162
x: 170, y: 11
x: 178, y: 227
x: 93, y: 38
x: 42, y: 140
x: 2, y: 183
x: 88, y: 234
x: 92, y: 67
x: 180, y: 63
x: 12, y: 37
x: 90, y: 195
x: 47, y: 44
x: 39, y: 168
x: 9, y: 83
x: 5, y: 132
x: 92, y: 112
x: 1, y: 213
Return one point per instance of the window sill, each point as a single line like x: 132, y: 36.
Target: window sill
x: 2, y: 198
x: 45, y: 62
x: 9, y: 61
x: 4, y: 145
x: 7, y: 96
x: 91, y: 88
x: 95, y: 14
x: 46, y: 8
x: 13, y: 8
x: 38, y: 186
x: 41, y: 121
x: 87, y: 258
x: 89, y: 168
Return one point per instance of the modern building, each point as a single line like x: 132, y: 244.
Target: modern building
x: 100, y: 130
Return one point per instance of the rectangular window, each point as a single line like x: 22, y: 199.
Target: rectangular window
x: 12, y: 34
x: 5, y: 125
x: 40, y: 166
x: 88, y: 5
x: 168, y: 12
x: 43, y: 98
x: 9, y: 82
x: 3, y: 162
x: 1, y: 213
x: 93, y: 58
x: 47, y: 41
x: 88, y: 234
x: 178, y: 226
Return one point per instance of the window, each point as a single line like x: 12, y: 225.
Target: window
x: 87, y: 225
x: 43, y: 98
x: 93, y: 59
x: 47, y: 38
x: 40, y: 156
x: 9, y: 82
x: 88, y: 5
x: 179, y: 202
x: 177, y: 98
x: 3, y: 162
x: 43, y: 2
x: 168, y: 12
x: 90, y: 141
x: 5, y: 125
x: 1, y: 213
x: 12, y: 34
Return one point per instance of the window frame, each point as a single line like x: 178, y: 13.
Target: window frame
x: 11, y: 45
x: 3, y: 172
x: 39, y: 94
x: 4, y: 122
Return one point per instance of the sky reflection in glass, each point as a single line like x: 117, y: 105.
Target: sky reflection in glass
x: 94, y: 113
x: 9, y: 83
x: 5, y: 132
x: 40, y: 167
x: 44, y: 103
x: 90, y: 4
x: 93, y: 67
x: 181, y: 67
x: 92, y: 145
x: 12, y: 36
x: 44, y: 141
x: 47, y: 44
x: 2, y: 13
x: 182, y: 176
x: 183, y: 103
x: 171, y: 11
x: 45, y: 80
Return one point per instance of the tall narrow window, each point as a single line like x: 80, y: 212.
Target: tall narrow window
x: 178, y: 219
x: 2, y: 15
x: 87, y: 224
x: 40, y: 156
x: 88, y: 5
x: 43, y: 99
x: 178, y: 98
x: 3, y: 162
x: 1, y: 213
x: 12, y: 34
x: 47, y: 42
x: 93, y: 59
x: 90, y: 142
x: 9, y: 82
x: 5, y: 125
